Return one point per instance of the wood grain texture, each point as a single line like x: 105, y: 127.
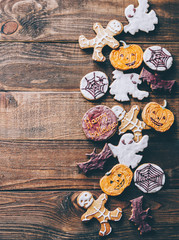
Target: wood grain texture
x: 55, y: 215
x: 58, y: 66
x: 55, y: 20
x: 53, y: 164
x: 44, y: 115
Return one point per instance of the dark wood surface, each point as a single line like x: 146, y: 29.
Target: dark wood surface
x: 41, y: 140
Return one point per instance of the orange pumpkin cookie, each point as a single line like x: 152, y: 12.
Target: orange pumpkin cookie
x: 116, y: 180
x: 127, y: 57
x: 157, y: 116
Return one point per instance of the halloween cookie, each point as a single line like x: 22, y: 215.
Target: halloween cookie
x: 99, y: 123
x: 149, y: 178
x: 125, y: 84
x: 155, y: 81
x: 139, y: 216
x: 127, y: 148
x: 96, y: 161
x: 139, y: 18
x: 158, y: 58
x: 96, y: 209
x: 116, y: 180
x: 129, y: 121
x: 157, y: 116
x: 94, y: 85
x: 105, y: 36
x: 126, y: 57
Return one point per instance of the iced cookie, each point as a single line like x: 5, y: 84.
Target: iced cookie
x: 155, y: 81
x: 139, y: 18
x: 157, y: 116
x: 139, y: 216
x: 96, y: 161
x: 149, y: 178
x: 94, y: 85
x: 105, y: 36
x: 127, y: 149
x: 129, y: 121
x: 158, y: 58
x: 125, y: 84
x: 96, y: 209
x: 116, y: 180
x: 126, y: 57
x: 99, y: 123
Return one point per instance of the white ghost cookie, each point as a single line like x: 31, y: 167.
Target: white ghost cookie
x: 139, y: 18
x: 125, y: 84
x: 105, y: 36
x: 127, y: 148
x: 158, y: 58
x: 94, y: 85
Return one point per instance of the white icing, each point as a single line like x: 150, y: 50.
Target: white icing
x: 127, y: 148
x: 139, y: 18
x: 119, y: 112
x: 102, y: 86
x: 148, y: 55
x: 85, y: 199
x: 125, y: 84
x: 154, y: 176
x: 103, y: 37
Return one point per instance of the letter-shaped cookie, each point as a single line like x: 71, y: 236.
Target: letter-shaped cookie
x: 96, y: 209
x: 104, y: 37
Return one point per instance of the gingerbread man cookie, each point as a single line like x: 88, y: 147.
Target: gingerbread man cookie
x: 96, y: 209
x: 105, y: 36
x: 139, y: 18
x: 125, y: 84
x: 129, y: 121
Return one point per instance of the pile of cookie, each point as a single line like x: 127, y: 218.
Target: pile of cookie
x: 100, y: 122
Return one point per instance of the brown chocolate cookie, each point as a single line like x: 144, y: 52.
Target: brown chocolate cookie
x: 99, y: 123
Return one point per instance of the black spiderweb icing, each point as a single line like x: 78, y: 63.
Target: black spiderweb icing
x: 159, y: 58
x: 95, y: 85
x: 149, y: 178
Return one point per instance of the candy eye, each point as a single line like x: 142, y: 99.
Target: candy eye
x: 111, y: 181
x: 131, y: 142
x: 121, y: 55
x: 163, y: 117
x: 132, y: 54
x: 119, y: 175
x: 153, y: 112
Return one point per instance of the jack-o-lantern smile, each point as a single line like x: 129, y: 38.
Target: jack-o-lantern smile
x: 115, y: 181
x: 157, y: 116
x: 127, y: 57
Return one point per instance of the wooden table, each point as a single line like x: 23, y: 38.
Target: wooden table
x: 41, y: 139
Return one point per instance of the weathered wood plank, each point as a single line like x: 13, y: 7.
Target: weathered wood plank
x: 57, y: 66
x: 53, y: 164
x: 66, y: 20
x: 43, y: 115
x: 55, y: 215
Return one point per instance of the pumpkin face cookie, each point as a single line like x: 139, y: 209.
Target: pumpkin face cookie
x: 115, y: 181
x: 99, y: 123
x: 126, y: 57
x: 157, y: 116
